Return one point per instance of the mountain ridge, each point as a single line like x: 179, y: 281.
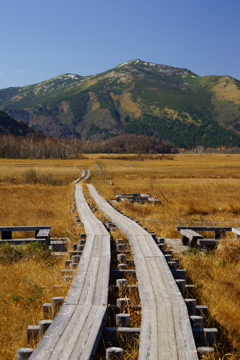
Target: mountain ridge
x: 152, y: 99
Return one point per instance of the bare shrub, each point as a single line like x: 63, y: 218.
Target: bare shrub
x: 30, y: 176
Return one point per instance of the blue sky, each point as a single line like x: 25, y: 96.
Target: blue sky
x: 42, y: 39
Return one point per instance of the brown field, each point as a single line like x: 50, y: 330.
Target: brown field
x: 193, y: 189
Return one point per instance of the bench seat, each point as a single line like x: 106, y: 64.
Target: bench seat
x: 236, y: 230
x: 207, y: 243
x: 218, y: 230
x: 190, y: 237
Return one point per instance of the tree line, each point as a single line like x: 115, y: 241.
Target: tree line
x: 131, y: 143
x: 35, y: 147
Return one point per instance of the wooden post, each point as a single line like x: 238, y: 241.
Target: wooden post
x: 114, y: 353
x: 47, y: 310
x: 123, y: 320
x: 190, y: 289
x: 181, y: 285
x: 33, y: 334
x: 172, y: 265
x: 202, y: 310
x: 152, y: 233
x: 177, y: 261
x: 122, y: 302
x: 160, y: 240
x: 168, y: 257
x: 121, y: 247
x: 220, y: 233
x: 122, y: 258
x: 161, y: 247
x: 191, y: 306
x: 197, y: 322
x: 73, y: 266
x: 56, y: 304
x: 122, y: 266
x: 204, y: 350
x: 68, y: 263
x: 179, y: 274
x: 76, y: 259
x: 23, y: 353
x: 209, y: 336
x: 121, y: 282
x: 44, y: 325
x: 119, y: 241
x: 6, y: 235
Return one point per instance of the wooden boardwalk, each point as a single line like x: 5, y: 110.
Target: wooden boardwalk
x: 75, y: 331
x: 84, y: 176
x: 166, y: 332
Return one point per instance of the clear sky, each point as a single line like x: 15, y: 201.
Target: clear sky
x: 40, y: 39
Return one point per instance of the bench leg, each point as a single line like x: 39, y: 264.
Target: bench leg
x: 185, y: 240
x: 219, y: 234
x: 193, y: 243
x: 47, y: 241
x: 6, y: 235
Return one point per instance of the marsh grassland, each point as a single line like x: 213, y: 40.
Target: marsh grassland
x: 193, y: 190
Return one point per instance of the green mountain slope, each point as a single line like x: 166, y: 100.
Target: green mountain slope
x: 134, y: 97
x: 8, y: 125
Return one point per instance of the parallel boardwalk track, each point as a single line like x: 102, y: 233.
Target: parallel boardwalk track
x: 75, y: 332
x: 84, y: 176
x: 166, y: 332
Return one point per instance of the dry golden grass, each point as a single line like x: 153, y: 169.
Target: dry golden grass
x: 194, y: 190
x: 26, y: 284
x: 24, y: 287
x: 217, y: 278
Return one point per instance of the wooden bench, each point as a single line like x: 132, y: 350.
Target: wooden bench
x: 218, y: 230
x: 140, y: 198
x: 207, y: 243
x: 42, y: 233
x: 190, y: 237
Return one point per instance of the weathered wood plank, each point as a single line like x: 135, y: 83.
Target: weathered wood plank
x: 24, y: 228
x: 190, y: 234
x: 205, y: 228
x: 165, y: 329
x: 236, y: 230
x: 75, y: 332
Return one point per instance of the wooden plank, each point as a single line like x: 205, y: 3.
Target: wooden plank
x: 75, y: 332
x: 165, y: 329
x: 207, y: 242
x: 236, y: 230
x: 205, y: 228
x: 24, y: 228
x: 43, y: 233
x: 190, y: 234
x: 21, y: 241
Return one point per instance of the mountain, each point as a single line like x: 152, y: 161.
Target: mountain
x: 135, y: 97
x: 8, y: 125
